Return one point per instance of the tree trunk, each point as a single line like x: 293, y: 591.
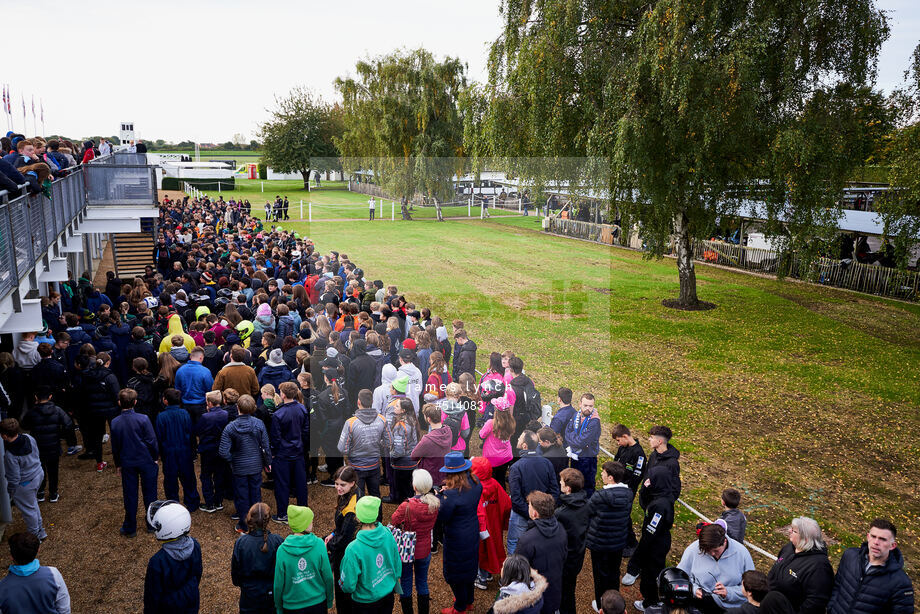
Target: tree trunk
x: 306, y: 178
x: 686, y: 272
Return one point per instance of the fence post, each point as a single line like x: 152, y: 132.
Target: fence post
x: 218, y: 187
x: 310, y: 211
x: 520, y: 200
x: 263, y: 185
x: 301, y: 208
x: 393, y: 211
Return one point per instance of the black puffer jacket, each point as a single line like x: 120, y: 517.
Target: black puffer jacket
x: 670, y: 458
x: 882, y: 589
x: 609, y: 519
x: 47, y: 423
x: 572, y: 513
x: 545, y: 545
x: 99, y: 391
x: 361, y: 370
x: 806, y: 578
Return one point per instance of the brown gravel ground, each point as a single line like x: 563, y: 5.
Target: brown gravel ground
x: 105, y: 572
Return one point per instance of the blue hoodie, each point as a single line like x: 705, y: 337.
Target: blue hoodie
x: 194, y: 380
x: 173, y: 576
x: 33, y: 588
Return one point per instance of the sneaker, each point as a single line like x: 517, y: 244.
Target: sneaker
x: 279, y: 519
x: 234, y: 516
x: 481, y: 583
x: 628, y: 580
x: 324, y: 468
x: 330, y: 482
x: 40, y: 496
x: 101, y: 466
x: 594, y: 605
x: 124, y: 533
x: 210, y: 509
x: 105, y: 438
x: 312, y: 480
x: 638, y: 605
x: 240, y: 530
x: 73, y: 450
x: 55, y: 498
x: 218, y: 506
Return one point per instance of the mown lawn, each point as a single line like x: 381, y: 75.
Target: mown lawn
x: 805, y: 398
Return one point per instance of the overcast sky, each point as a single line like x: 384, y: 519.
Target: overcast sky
x: 207, y: 69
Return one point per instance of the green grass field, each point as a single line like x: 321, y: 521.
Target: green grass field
x: 331, y: 201
x: 804, y: 398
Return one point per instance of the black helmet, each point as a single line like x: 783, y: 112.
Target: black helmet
x: 193, y: 298
x: 359, y: 273
x: 675, y: 587
x: 224, y: 293
x: 491, y: 389
x: 221, y: 303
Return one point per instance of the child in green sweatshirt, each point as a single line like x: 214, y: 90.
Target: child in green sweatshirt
x: 303, y: 576
x: 371, y: 567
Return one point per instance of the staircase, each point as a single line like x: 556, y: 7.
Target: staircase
x: 133, y: 252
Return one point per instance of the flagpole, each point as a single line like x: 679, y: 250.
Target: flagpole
x: 41, y: 104
x: 25, y: 122
x: 34, y: 127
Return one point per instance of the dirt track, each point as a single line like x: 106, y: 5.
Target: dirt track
x: 105, y: 572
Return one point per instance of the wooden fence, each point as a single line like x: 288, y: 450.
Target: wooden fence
x: 849, y: 274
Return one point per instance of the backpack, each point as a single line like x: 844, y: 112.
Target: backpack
x: 533, y: 405
x: 453, y: 421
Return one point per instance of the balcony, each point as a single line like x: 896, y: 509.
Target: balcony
x: 41, y: 238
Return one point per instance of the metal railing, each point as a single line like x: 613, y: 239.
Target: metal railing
x: 120, y: 179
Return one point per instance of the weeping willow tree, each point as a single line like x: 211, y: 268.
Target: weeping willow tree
x: 402, y: 123
x: 695, y: 106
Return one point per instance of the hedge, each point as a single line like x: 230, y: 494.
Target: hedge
x: 173, y: 183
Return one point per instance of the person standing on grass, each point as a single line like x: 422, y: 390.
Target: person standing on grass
x: 303, y: 577
x: 177, y: 444
x: 285, y: 206
x: 134, y: 450
x: 290, y: 427
x: 566, y: 411
x: 30, y: 587
x: 582, y: 439
x: 631, y: 455
x: 214, y: 471
x: 48, y: 423
x: 23, y: 474
x: 802, y: 572
x: 715, y: 562
x: 244, y: 444
x: 371, y: 208
x: 252, y: 567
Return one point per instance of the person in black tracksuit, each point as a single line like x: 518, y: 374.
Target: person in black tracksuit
x: 47, y: 423
x: 655, y: 542
x: 665, y: 455
x: 631, y: 455
x: 98, y: 392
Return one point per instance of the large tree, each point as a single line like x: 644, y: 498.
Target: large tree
x: 401, y: 121
x: 300, y: 135
x: 696, y: 104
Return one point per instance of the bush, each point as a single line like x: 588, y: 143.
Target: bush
x: 263, y: 171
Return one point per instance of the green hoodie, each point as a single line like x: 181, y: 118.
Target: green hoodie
x: 371, y: 567
x: 303, y: 576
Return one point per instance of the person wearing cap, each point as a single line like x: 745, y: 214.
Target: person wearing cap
x: 459, y: 516
x: 174, y: 572
x: 194, y: 381
x: 371, y: 567
x: 407, y: 368
x: 303, y: 577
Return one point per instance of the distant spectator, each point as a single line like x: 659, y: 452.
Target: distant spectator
x: 733, y: 517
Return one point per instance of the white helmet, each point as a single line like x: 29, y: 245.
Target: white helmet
x: 151, y: 302
x: 169, y: 519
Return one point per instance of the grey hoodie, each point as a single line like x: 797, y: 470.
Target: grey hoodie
x: 382, y: 392
x: 26, y: 354
x: 180, y: 549
x: 415, y: 383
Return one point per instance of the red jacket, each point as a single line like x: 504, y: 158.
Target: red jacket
x: 494, y: 510
x: 413, y: 515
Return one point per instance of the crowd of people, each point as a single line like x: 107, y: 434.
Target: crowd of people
x: 35, y: 162
x: 273, y: 365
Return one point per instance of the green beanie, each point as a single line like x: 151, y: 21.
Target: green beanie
x: 299, y: 518
x: 366, y: 509
x: 401, y: 384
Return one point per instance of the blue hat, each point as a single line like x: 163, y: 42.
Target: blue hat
x: 455, y: 463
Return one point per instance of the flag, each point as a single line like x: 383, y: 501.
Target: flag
x: 41, y: 106
x: 6, y: 102
x: 33, y: 105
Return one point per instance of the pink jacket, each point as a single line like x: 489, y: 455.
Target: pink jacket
x: 497, y: 451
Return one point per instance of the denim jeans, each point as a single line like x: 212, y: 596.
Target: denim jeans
x: 420, y: 567
x: 517, y: 524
